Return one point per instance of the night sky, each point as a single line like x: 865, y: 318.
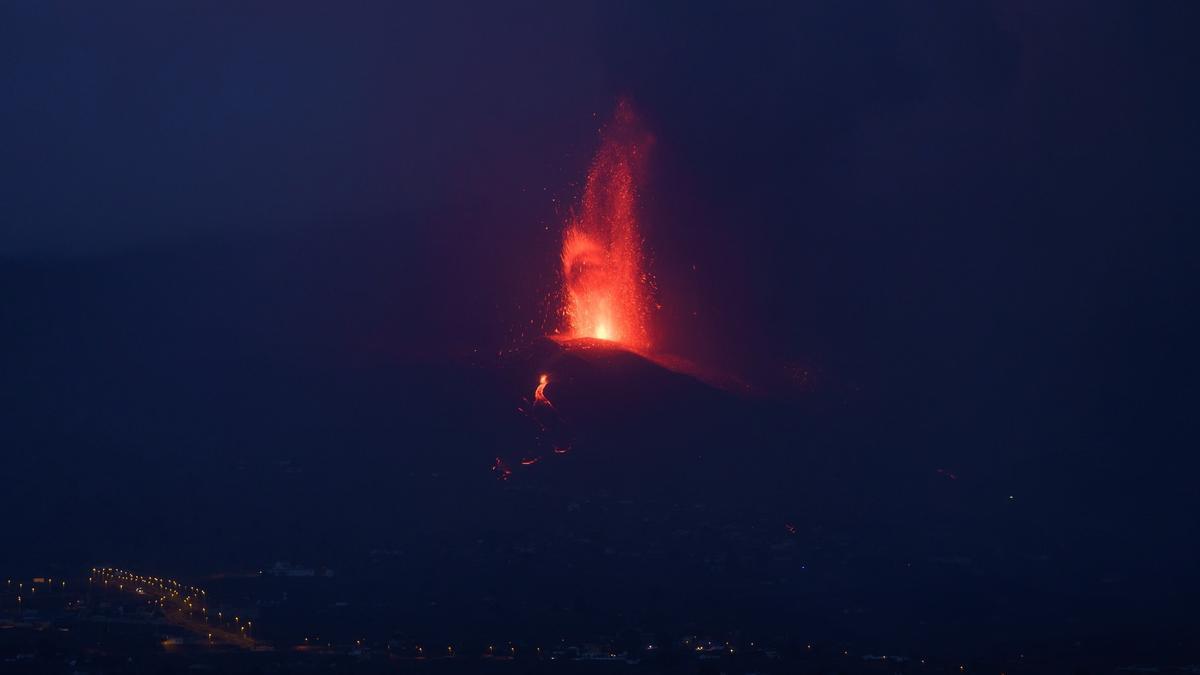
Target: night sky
x: 970, y: 224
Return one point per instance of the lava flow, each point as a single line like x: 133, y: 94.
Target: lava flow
x: 605, y: 289
x: 539, y: 394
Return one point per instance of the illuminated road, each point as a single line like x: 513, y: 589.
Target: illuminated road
x: 181, y: 605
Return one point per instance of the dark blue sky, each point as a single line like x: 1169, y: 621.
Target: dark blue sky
x: 141, y: 122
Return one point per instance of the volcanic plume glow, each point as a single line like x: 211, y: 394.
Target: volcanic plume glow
x: 605, y: 289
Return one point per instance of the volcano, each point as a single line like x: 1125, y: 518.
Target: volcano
x: 606, y: 409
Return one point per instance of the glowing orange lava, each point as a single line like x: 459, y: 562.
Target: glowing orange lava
x: 605, y: 289
x: 539, y: 394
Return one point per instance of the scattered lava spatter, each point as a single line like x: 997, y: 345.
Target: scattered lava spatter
x: 501, y: 468
x: 605, y: 288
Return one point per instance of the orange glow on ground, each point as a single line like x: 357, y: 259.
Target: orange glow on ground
x: 605, y: 288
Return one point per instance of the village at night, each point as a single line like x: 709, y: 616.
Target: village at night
x: 598, y: 338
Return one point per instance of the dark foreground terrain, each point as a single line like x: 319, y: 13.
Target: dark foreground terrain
x: 608, y: 529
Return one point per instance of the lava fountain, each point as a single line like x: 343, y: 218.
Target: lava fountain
x: 606, y: 291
